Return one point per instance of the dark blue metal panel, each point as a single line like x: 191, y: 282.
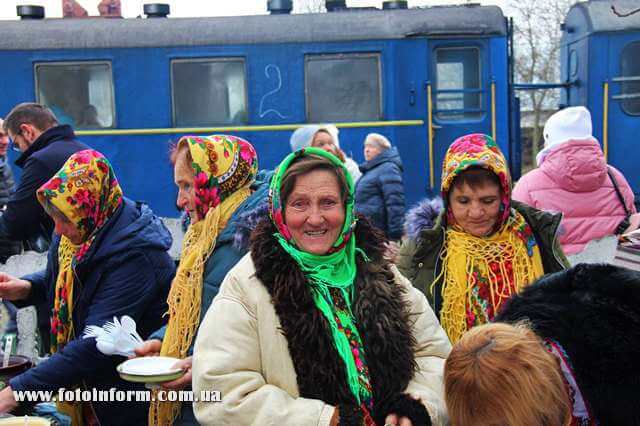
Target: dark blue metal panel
x: 515, y: 139
x: 449, y: 130
x: 407, y: 70
x: 623, y: 127
x: 597, y: 74
x: 498, y: 52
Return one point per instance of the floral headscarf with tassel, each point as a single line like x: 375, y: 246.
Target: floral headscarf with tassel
x: 330, y: 278
x: 480, y: 273
x: 86, y: 193
x: 224, y: 168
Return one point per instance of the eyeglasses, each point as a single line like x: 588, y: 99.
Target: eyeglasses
x: 12, y: 143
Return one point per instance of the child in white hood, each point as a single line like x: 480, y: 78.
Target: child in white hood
x: 573, y: 178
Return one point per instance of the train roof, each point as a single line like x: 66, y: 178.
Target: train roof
x: 597, y: 16
x: 95, y: 33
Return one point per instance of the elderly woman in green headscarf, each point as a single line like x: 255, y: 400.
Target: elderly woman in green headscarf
x: 314, y: 326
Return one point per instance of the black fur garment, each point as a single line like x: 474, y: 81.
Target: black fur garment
x: 593, y: 311
x: 382, y: 317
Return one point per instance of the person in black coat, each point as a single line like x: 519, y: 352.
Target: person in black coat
x: 7, y: 185
x: 109, y: 258
x: 563, y: 351
x: 380, y: 190
x: 45, y: 147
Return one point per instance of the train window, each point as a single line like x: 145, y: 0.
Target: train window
x: 458, y: 83
x: 208, y: 92
x: 78, y: 93
x: 630, y: 79
x: 343, y: 87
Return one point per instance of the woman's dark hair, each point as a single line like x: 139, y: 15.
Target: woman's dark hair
x: 476, y: 176
x: 307, y: 164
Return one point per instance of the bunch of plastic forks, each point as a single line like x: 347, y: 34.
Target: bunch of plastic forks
x: 117, y: 337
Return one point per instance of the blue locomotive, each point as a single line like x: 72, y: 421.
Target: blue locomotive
x: 420, y: 76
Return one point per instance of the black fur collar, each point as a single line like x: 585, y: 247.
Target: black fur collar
x: 381, y: 314
x: 593, y: 311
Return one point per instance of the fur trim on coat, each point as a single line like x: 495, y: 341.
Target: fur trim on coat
x: 422, y: 216
x: 593, y: 311
x: 247, y: 222
x: 380, y: 311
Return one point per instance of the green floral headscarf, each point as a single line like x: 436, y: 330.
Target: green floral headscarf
x: 330, y: 277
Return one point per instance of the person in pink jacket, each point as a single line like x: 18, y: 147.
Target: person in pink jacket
x: 573, y: 178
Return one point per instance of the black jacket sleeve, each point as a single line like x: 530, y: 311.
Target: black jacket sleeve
x: 24, y: 214
x: 124, y: 289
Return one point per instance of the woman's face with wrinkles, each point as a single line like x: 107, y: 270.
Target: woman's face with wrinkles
x: 476, y: 209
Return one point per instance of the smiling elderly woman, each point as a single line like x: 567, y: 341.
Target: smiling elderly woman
x: 313, y: 326
x: 484, y: 247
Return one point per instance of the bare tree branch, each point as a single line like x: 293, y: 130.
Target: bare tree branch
x: 537, y: 47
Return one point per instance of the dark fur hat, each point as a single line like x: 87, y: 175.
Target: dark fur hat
x: 593, y: 311
x: 422, y: 216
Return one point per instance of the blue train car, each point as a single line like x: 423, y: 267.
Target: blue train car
x: 422, y: 77
x: 600, y: 59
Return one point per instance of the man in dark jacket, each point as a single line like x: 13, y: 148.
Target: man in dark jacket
x: 380, y: 191
x: 7, y: 183
x: 127, y: 271
x: 7, y: 186
x: 45, y: 147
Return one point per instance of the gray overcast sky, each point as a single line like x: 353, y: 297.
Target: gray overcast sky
x: 190, y: 8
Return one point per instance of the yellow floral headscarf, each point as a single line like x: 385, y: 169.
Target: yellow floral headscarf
x: 224, y: 168
x: 481, y: 273
x: 87, y: 194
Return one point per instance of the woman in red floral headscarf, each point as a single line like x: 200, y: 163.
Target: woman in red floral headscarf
x: 218, y: 182
x: 484, y: 247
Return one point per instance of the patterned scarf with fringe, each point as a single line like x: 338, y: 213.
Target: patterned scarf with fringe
x: 330, y: 278
x: 84, y: 194
x: 224, y: 168
x: 480, y: 273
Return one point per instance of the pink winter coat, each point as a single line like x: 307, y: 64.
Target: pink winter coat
x: 573, y: 179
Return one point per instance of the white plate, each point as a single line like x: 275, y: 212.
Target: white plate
x: 149, y: 366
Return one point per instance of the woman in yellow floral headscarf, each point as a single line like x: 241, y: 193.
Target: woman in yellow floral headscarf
x: 80, y: 198
x: 484, y: 247
x: 216, y: 179
x: 109, y: 258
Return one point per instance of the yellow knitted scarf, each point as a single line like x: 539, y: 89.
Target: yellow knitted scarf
x: 64, y: 302
x: 479, y: 274
x: 64, y: 294
x: 186, y: 291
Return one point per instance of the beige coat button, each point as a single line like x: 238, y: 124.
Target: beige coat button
x: 420, y: 265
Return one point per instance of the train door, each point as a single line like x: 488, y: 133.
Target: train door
x: 459, y: 94
x: 622, y: 106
